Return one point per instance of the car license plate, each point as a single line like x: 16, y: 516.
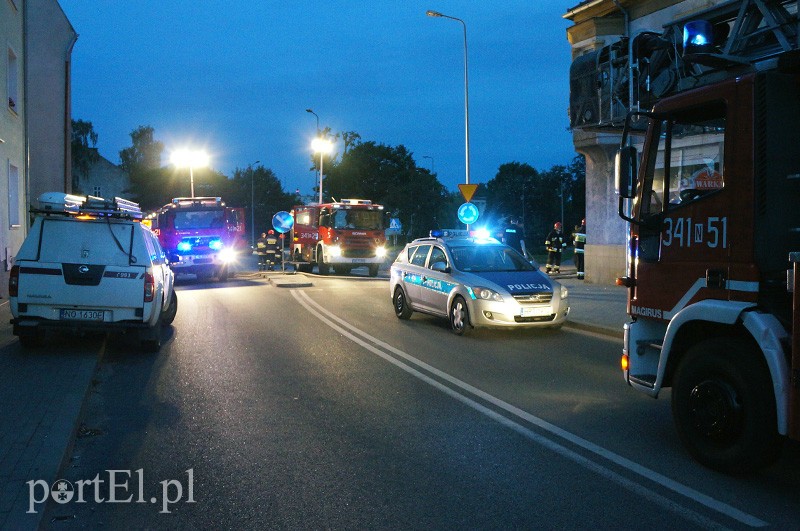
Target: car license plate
x: 536, y: 312
x: 359, y: 261
x: 82, y: 315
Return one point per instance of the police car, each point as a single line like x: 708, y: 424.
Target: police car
x: 474, y: 282
x: 90, y: 264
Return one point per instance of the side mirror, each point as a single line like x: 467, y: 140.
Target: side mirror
x: 625, y: 172
x: 441, y: 267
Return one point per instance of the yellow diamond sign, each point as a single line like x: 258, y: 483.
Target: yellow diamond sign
x: 467, y: 190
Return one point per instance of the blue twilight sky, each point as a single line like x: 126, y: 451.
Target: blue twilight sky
x: 236, y: 78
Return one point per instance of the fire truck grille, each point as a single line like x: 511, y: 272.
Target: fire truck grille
x: 358, y: 253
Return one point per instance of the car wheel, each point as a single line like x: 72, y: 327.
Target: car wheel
x: 373, y: 270
x: 169, y: 314
x: 401, y: 308
x: 459, y: 317
x: 724, y: 406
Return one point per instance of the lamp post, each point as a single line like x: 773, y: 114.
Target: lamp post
x: 252, y: 203
x: 316, y: 174
x: 321, y: 146
x: 466, y: 85
x: 192, y: 159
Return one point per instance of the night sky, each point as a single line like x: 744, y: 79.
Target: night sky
x: 236, y: 78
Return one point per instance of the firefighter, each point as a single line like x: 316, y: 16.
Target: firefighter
x: 261, y: 251
x: 555, y: 244
x: 272, y: 249
x: 579, y: 241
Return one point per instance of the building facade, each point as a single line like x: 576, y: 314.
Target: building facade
x: 35, y: 118
x: 104, y: 179
x: 600, y: 94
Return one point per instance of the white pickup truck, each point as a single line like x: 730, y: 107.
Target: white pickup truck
x: 88, y: 264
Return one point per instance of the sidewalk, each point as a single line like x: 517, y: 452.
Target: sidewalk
x: 44, y: 390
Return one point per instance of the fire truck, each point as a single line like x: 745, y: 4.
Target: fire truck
x: 344, y: 235
x: 200, y: 235
x: 711, y: 195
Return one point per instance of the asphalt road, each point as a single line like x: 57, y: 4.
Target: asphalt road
x: 317, y: 408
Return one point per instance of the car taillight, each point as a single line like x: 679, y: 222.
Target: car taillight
x: 13, y: 282
x: 149, y: 287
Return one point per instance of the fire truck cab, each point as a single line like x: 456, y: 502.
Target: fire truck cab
x: 201, y: 235
x: 344, y: 235
x: 713, y: 246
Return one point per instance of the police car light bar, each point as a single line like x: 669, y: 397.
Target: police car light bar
x: 449, y: 233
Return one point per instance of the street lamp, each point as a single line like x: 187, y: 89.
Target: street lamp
x: 183, y: 158
x: 321, y: 146
x: 316, y: 173
x: 315, y: 114
x: 466, y: 85
x: 252, y: 203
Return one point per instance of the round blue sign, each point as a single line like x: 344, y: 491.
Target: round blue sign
x: 468, y: 213
x: 282, y: 221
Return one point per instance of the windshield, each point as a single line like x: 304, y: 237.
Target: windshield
x: 199, y: 219
x: 357, y: 219
x: 483, y: 258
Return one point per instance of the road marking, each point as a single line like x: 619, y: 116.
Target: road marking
x: 375, y: 345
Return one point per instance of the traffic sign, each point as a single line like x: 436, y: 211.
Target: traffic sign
x: 394, y: 224
x: 467, y: 190
x: 468, y: 213
x: 282, y: 221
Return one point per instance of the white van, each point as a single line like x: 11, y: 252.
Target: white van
x: 88, y: 264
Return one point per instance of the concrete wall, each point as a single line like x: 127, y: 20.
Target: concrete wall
x: 49, y: 40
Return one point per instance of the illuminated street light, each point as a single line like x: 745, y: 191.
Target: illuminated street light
x: 466, y: 84
x: 321, y: 146
x: 187, y: 158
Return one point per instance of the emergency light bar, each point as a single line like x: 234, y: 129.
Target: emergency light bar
x: 449, y: 233
x: 356, y: 202
x: 197, y: 201
x: 61, y: 203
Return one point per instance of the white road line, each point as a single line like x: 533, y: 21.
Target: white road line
x: 350, y: 332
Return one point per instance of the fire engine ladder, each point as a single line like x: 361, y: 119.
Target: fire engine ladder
x: 758, y: 30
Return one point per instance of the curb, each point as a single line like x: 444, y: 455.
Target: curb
x: 596, y: 329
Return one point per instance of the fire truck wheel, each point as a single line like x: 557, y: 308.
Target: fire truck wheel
x: 724, y: 406
x: 322, y: 267
x: 401, y: 307
x: 459, y: 317
x: 373, y: 270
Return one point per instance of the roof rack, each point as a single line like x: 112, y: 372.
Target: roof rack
x: 61, y: 203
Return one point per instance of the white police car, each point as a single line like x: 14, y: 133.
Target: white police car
x: 474, y: 282
x: 89, y: 264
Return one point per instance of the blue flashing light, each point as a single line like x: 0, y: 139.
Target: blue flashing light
x: 216, y: 244
x: 482, y: 233
x: 438, y: 233
x: 697, y: 36
x: 184, y: 246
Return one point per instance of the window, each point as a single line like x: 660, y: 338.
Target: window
x: 12, y: 82
x: 419, y: 256
x: 97, y: 192
x: 688, y: 163
x: 13, y: 196
x: 437, y: 255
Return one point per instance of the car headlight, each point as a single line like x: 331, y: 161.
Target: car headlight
x: 227, y: 255
x: 564, y: 292
x: 380, y: 252
x: 487, y: 294
x: 335, y: 250
x: 184, y: 246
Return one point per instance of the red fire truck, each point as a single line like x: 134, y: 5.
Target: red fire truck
x: 714, y: 246
x: 200, y: 235
x: 345, y: 234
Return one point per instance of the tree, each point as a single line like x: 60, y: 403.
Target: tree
x: 84, y: 151
x: 144, y: 154
x: 267, y: 193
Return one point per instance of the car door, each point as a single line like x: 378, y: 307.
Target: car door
x: 436, y: 284
x: 413, y: 272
